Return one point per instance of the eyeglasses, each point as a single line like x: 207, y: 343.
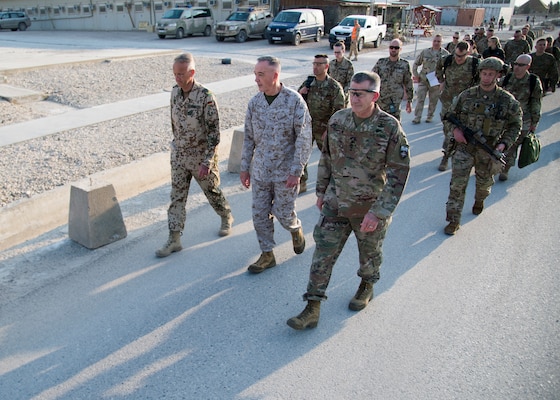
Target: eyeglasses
x: 516, y: 64
x: 359, y: 92
x: 455, y: 37
x: 319, y: 63
x: 394, y: 47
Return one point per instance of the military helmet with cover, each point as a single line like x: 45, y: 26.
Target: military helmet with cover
x: 491, y: 63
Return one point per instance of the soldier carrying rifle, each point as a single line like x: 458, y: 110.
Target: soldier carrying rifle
x: 495, y: 116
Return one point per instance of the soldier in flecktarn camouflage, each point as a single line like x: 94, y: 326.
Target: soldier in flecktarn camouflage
x: 196, y: 133
x: 362, y: 174
x: 324, y: 96
x: 496, y: 115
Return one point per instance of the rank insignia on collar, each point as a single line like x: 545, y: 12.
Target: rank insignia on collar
x: 404, y: 151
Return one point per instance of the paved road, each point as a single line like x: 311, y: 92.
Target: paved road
x: 474, y: 316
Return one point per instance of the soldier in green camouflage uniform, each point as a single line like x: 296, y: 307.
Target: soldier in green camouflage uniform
x: 396, y: 80
x: 196, y: 134
x: 514, y: 48
x: 543, y: 65
x: 495, y: 113
x: 341, y: 68
x: 362, y: 173
x: 481, y: 41
x: 428, y: 59
x: 324, y: 96
x: 519, y: 85
x: 276, y: 146
x: 453, y: 79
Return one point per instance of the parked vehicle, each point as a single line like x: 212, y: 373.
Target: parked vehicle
x: 296, y: 25
x: 180, y: 22
x: 244, y: 23
x: 14, y: 20
x: 370, y: 31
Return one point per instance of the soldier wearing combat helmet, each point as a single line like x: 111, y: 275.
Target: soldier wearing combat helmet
x: 496, y: 115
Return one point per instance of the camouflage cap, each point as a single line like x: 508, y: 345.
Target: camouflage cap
x: 491, y: 63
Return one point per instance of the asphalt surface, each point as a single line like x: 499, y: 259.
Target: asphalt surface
x: 473, y: 316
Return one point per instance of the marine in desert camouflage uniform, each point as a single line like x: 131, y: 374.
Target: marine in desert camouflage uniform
x: 396, y: 81
x: 362, y: 173
x: 196, y: 133
x: 494, y: 112
x: 276, y: 147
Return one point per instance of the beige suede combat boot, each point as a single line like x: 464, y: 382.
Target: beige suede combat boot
x: 225, y: 228
x: 265, y: 261
x: 173, y: 244
x: 308, y: 318
x: 298, y: 241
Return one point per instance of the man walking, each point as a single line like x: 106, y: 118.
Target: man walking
x: 494, y: 112
x: 427, y: 59
x: 324, y: 96
x: 527, y: 90
x: 514, y: 48
x: 354, y: 37
x: 196, y: 133
x: 543, y: 65
x: 396, y: 81
x: 455, y: 73
x: 362, y: 173
x: 276, y: 147
x: 341, y: 68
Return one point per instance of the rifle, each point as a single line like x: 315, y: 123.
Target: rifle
x: 476, y: 138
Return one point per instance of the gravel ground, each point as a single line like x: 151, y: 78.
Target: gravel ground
x: 41, y: 164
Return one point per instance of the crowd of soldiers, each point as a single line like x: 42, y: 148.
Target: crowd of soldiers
x: 488, y: 105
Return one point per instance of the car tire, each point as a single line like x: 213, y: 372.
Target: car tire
x: 377, y: 43
x: 22, y: 26
x: 207, y: 30
x: 220, y: 38
x: 360, y: 44
x: 161, y: 36
x: 180, y: 34
x: 318, y: 35
x: 332, y: 45
x: 270, y: 41
x: 241, y: 36
x: 297, y: 39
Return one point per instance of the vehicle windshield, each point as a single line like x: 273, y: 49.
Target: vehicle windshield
x: 238, y: 16
x: 292, y: 17
x: 172, y: 14
x: 350, y: 21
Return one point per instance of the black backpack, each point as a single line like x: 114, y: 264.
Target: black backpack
x: 474, y: 66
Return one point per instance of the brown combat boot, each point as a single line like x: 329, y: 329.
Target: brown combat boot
x: 298, y: 240
x: 451, y: 228
x: 443, y: 163
x: 478, y: 207
x: 173, y: 244
x: 362, y: 296
x: 225, y: 228
x: 308, y: 318
x: 265, y: 261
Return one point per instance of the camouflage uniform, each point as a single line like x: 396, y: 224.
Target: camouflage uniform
x: 323, y: 100
x: 450, y: 47
x: 342, y: 72
x: 498, y: 115
x: 544, y: 66
x: 196, y: 133
x: 530, y: 103
x: 457, y: 78
x: 481, y: 43
x: 363, y: 168
x: 428, y: 59
x: 277, y: 144
x: 396, y: 77
x: 514, y: 48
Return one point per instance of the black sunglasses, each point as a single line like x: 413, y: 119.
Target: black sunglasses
x: 394, y: 47
x: 520, y: 64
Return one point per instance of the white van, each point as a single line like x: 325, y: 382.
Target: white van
x: 295, y: 25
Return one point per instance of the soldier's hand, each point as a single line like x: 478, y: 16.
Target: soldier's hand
x: 408, y: 107
x: 292, y: 181
x: 304, y: 90
x: 415, y: 79
x: 369, y: 223
x: 203, y: 171
x: 501, y: 147
x: 459, y: 136
x: 319, y: 203
x: 245, y: 178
